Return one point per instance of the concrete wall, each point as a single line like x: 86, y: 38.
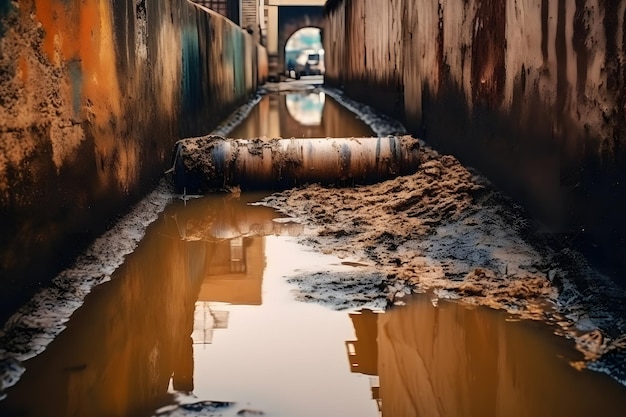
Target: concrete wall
x: 93, y: 95
x: 531, y: 92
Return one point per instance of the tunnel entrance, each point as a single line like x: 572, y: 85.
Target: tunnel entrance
x: 304, y: 53
x: 289, y: 20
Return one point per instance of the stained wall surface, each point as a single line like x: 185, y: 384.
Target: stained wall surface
x: 530, y: 92
x: 93, y: 95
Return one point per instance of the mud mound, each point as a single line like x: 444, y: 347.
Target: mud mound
x: 446, y: 229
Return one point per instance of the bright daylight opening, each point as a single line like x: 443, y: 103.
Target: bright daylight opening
x: 304, y: 53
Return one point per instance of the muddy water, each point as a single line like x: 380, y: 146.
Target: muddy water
x: 455, y: 361
x: 203, y: 310
x: 300, y: 114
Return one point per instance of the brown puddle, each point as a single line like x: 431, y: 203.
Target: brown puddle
x: 452, y: 360
x: 146, y: 336
x: 202, y: 310
x: 300, y: 115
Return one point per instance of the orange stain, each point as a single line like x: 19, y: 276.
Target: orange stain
x: 59, y: 22
x: 89, y: 35
x: 47, y: 17
x: 71, y: 30
x: 81, y: 30
x: 23, y: 69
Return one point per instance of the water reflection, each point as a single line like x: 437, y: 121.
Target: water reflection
x: 216, y: 218
x: 282, y: 357
x: 363, y: 352
x: 134, y: 335
x: 202, y: 308
x: 308, y: 114
x: 306, y: 109
x: 122, y: 347
x: 454, y: 361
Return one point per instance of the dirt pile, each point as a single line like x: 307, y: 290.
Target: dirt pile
x: 449, y: 231
x: 436, y: 229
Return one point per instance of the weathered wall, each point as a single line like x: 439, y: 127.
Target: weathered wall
x: 93, y: 95
x: 531, y: 92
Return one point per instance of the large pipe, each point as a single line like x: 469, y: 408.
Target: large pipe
x: 211, y: 163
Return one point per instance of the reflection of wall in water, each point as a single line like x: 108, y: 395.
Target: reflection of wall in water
x: 207, y: 317
x: 455, y: 361
x: 122, y: 347
x: 234, y: 271
x: 363, y: 352
x: 233, y: 274
x: 452, y: 361
x: 263, y: 120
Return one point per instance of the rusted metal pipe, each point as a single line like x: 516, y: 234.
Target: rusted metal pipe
x: 212, y: 163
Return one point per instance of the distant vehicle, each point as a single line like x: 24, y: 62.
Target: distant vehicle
x: 309, y: 62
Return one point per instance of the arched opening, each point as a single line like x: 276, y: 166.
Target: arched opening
x: 304, y: 53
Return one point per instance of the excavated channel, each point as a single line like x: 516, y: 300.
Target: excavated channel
x: 226, y: 306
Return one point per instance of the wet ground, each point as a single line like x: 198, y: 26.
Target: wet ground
x: 367, y: 301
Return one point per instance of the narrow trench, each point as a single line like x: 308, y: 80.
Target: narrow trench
x: 209, y: 316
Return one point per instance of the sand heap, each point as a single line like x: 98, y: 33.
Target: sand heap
x: 449, y: 231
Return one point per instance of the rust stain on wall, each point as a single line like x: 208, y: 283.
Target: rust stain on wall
x: 579, y: 43
x: 90, y: 108
x: 441, y: 58
x: 23, y: 69
x: 488, y: 52
x: 78, y: 40
x: 544, y: 29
